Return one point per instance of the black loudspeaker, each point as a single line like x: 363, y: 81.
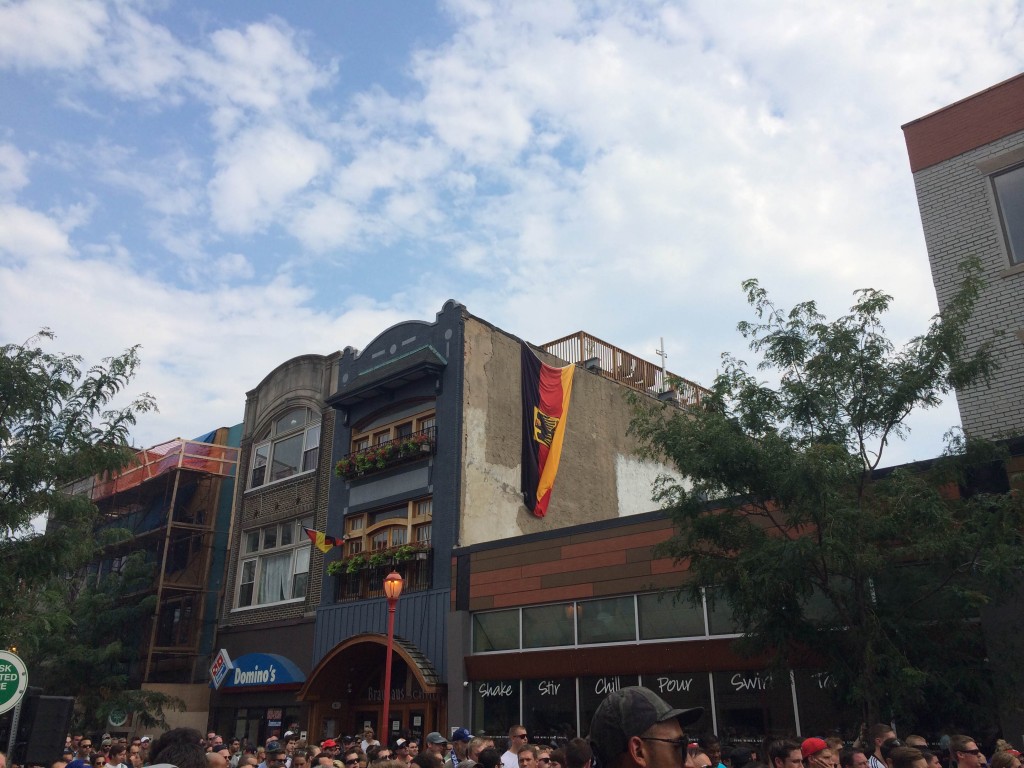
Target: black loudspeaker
x: 43, y: 724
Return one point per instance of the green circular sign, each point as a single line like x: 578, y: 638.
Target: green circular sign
x: 117, y: 717
x: 13, y: 680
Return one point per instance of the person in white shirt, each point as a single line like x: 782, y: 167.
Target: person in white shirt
x: 517, y: 739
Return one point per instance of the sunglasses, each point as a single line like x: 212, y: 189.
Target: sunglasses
x: 543, y: 759
x: 679, y: 744
x: 352, y: 762
x: 974, y: 751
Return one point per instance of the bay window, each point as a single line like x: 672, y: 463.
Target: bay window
x: 289, y: 447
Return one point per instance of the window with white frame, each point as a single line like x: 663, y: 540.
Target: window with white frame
x: 290, y: 446
x: 274, y: 565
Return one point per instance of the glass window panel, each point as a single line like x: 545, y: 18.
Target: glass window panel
x: 424, y: 507
x: 818, y: 700
x: 287, y: 534
x: 379, y: 540
x: 403, y: 430
x: 495, y: 705
x: 301, y: 572
x: 663, y: 615
x: 423, y: 533
x: 246, y: 581
x: 252, y: 541
x: 751, y: 705
x: 270, y: 537
x: 720, y: 618
x: 399, y: 513
x: 547, y: 626
x: 287, y: 457
x: 294, y: 419
x: 593, y: 691
x: 495, y: 631
x: 549, y: 709
x: 259, y: 465
x: 355, y: 523
x: 427, y: 423
x: 275, y: 578
x: 1009, y: 188
x: 312, y: 449
x: 607, y: 621
x: 684, y: 690
x: 398, y: 536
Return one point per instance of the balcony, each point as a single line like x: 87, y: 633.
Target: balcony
x: 361, y: 577
x: 634, y: 372
x: 388, y: 454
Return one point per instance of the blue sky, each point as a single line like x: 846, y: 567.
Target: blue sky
x: 232, y: 184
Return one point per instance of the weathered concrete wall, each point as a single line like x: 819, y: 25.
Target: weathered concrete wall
x: 599, y: 476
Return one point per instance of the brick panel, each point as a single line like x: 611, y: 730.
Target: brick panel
x: 969, y: 124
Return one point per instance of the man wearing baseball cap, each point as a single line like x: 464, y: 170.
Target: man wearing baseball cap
x: 634, y: 727
x: 816, y: 753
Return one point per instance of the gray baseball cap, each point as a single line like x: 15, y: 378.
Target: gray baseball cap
x: 629, y: 712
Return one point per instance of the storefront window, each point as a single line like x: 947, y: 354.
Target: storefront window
x: 547, y: 626
x: 496, y: 631
x: 720, y: 618
x: 593, y: 691
x: 549, y: 709
x: 607, y: 621
x: 684, y: 690
x: 495, y: 706
x: 669, y: 615
x: 752, y: 705
x: 817, y: 701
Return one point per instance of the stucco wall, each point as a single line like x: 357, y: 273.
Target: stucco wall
x: 599, y: 476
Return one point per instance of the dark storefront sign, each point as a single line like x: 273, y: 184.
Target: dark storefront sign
x: 738, y: 705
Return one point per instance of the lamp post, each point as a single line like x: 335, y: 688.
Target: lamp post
x: 393, y: 583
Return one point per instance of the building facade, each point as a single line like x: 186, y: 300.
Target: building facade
x: 273, y: 574
x: 428, y: 443
x: 968, y: 166
x: 174, y: 502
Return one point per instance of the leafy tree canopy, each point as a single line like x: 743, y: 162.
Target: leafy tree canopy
x: 875, y: 576
x: 57, y: 426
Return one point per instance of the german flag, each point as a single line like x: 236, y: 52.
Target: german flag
x: 322, y: 540
x: 546, y: 392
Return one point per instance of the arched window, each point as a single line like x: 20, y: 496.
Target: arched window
x: 291, y: 446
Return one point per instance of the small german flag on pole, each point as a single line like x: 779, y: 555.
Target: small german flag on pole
x: 322, y: 540
x: 546, y: 392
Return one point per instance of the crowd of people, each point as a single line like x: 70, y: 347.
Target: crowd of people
x: 632, y: 728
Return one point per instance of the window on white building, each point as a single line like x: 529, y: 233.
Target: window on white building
x: 1009, y: 191
x: 274, y: 564
x: 291, y: 446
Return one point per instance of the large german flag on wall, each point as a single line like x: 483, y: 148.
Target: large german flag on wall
x: 546, y: 392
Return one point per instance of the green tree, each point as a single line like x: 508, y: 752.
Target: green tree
x: 57, y: 426
x: 875, y: 576
x: 95, y: 656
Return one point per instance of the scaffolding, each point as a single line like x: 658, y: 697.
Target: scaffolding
x: 168, y: 500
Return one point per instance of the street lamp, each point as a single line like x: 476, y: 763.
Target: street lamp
x: 393, y: 583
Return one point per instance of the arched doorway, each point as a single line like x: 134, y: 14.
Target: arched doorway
x: 345, y: 691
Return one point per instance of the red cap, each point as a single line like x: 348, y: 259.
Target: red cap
x: 328, y: 743
x: 812, y: 746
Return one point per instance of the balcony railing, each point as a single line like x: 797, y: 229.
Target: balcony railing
x: 634, y: 372
x: 368, y: 581
x: 390, y: 453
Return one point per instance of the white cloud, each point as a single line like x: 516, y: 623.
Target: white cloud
x: 258, y: 171
x: 28, y: 235
x: 13, y: 169
x: 57, y: 34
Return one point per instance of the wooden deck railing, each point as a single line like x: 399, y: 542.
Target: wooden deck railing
x: 621, y: 366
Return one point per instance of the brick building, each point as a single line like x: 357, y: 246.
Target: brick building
x: 968, y: 166
x: 273, y: 576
